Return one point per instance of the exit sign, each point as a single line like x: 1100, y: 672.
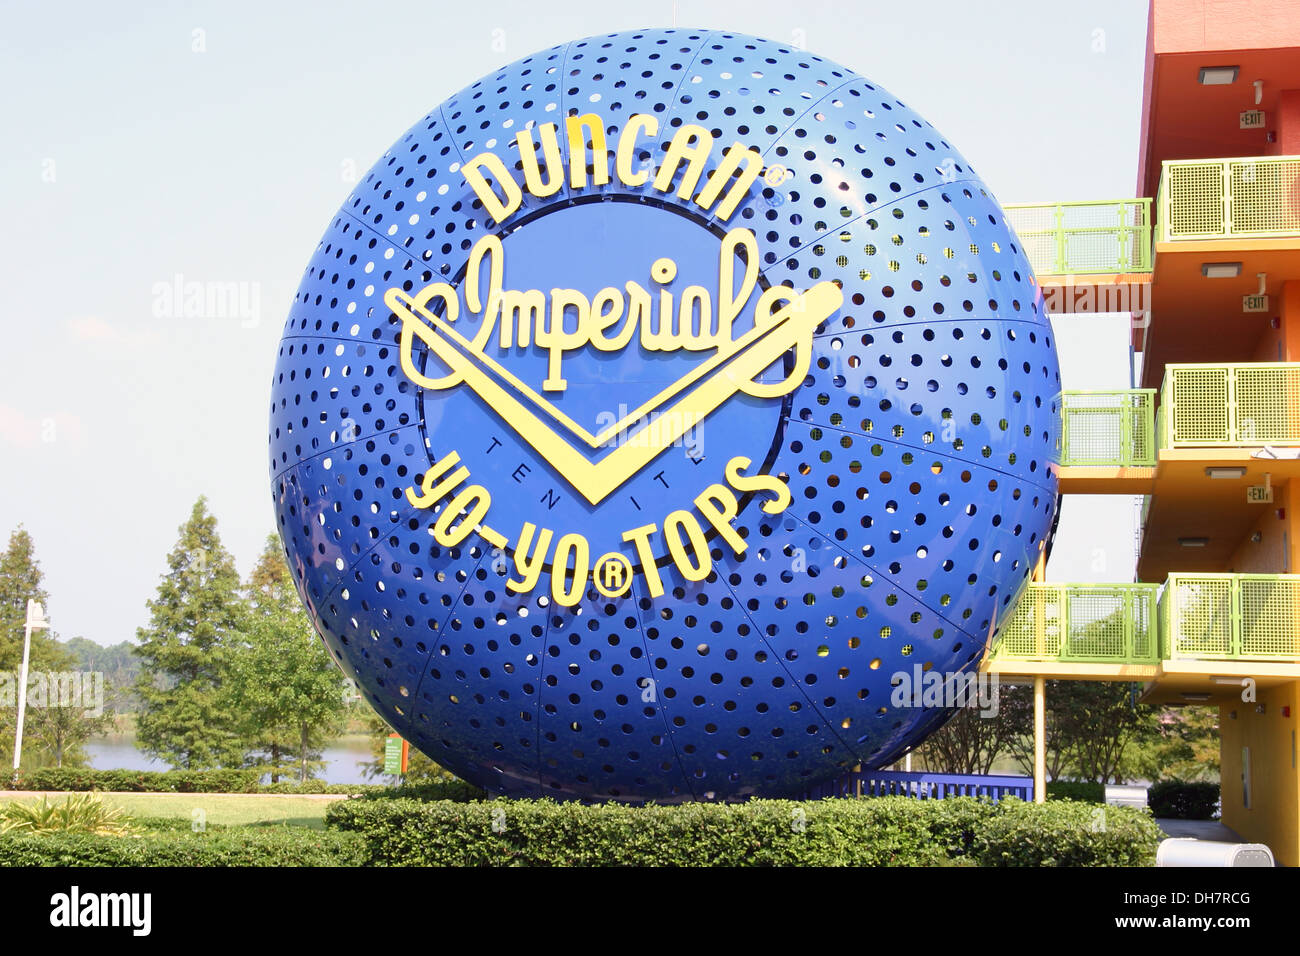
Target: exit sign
x: 1259, y: 494
x: 1252, y: 119
x: 1254, y: 303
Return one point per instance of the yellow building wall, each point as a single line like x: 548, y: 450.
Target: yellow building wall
x: 1276, y: 550
x: 1274, y: 815
x: 1272, y: 346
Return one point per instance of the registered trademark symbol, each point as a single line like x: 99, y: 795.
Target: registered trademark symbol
x: 613, y: 574
x: 776, y: 175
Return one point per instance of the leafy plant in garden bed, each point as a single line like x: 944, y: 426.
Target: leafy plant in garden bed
x: 81, y: 813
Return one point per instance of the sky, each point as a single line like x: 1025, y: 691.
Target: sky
x: 149, y: 146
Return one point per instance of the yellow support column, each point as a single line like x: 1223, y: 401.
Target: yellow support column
x: 1040, y: 688
x: 1040, y: 740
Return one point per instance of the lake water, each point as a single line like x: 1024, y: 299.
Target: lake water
x: 343, y: 759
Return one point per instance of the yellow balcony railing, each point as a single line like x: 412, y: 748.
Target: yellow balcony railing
x: 1115, y: 428
x: 1201, y: 406
x: 1096, y: 623
x: 1084, y: 238
x: 1230, y: 617
x: 1241, y: 198
x: 1238, y: 404
x: 1192, y: 617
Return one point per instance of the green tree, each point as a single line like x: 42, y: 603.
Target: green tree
x: 1092, y: 728
x: 62, y: 728
x: 1017, y: 706
x: 185, y: 652
x: 21, y: 579
x: 972, y: 739
x: 1179, y: 743
x: 1100, y: 720
x: 287, y: 691
x: 119, y: 665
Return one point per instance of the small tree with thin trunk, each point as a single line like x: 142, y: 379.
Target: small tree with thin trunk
x: 285, y: 688
x: 61, y: 728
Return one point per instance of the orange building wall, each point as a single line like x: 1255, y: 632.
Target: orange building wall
x: 1286, y: 124
x: 1282, y: 344
x: 1190, y: 26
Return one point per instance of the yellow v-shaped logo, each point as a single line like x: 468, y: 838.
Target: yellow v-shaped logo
x: 679, y: 407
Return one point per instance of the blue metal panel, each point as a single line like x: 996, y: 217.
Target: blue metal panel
x: 915, y: 449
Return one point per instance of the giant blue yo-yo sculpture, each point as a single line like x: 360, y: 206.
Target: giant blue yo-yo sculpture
x: 651, y: 409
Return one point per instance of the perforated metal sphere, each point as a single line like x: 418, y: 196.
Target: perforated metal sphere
x: 914, y: 444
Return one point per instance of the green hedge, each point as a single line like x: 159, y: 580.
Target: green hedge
x: 878, y: 831
x: 1066, y: 833
x: 1181, y: 800
x: 457, y: 791
x: 142, y: 781
x: 180, y: 781
x: 319, y: 786
x: 270, y: 846
x: 1082, y: 790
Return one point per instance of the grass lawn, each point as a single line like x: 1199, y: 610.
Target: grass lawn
x: 228, y: 809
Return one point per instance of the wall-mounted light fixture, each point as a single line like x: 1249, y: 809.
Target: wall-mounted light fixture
x: 1217, y: 75
x: 1193, y: 542
x: 1229, y: 471
x: 1220, y: 270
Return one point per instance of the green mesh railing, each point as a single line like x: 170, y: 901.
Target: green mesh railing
x: 1081, y: 238
x: 1238, y: 404
x: 1098, y: 623
x: 1201, y: 406
x: 1242, y: 197
x: 1194, y: 617
x: 1230, y: 617
x: 1108, y: 428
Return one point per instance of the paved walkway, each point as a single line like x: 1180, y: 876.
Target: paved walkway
x: 1211, y: 830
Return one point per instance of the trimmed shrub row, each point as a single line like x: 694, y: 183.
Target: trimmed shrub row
x: 320, y: 786
x: 1082, y: 790
x: 457, y: 791
x: 1181, y: 800
x: 142, y: 781
x: 278, y: 846
x: 180, y: 781
x: 877, y: 831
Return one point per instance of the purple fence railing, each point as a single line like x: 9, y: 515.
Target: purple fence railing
x: 925, y: 786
